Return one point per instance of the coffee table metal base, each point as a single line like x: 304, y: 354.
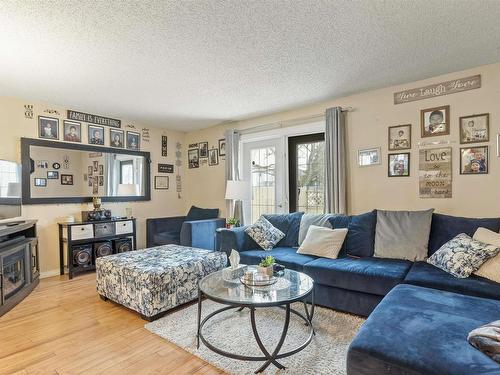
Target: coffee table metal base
x: 269, y: 357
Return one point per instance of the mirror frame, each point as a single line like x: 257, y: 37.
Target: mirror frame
x: 26, y: 171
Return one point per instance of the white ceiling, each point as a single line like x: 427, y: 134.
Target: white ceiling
x: 190, y: 64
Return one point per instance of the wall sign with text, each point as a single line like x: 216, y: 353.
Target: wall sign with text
x: 94, y: 119
x: 165, y: 168
x: 435, y: 173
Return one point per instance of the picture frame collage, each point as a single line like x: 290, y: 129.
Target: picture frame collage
x: 200, y: 154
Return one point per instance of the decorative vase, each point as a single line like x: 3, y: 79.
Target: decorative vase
x: 269, y: 270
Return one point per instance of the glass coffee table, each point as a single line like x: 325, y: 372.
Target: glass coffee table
x: 291, y: 287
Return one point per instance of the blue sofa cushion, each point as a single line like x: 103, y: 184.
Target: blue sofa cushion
x: 196, y: 213
x: 340, y: 221
x: 417, y: 330
x: 445, y: 227
x: 369, y: 275
x: 425, y: 274
x: 286, y: 256
x: 288, y: 224
x: 360, y: 240
x: 166, y: 238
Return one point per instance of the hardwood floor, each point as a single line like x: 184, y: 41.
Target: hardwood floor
x: 63, y: 327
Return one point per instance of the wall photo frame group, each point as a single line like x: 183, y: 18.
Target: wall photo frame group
x: 398, y: 165
x: 48, y: 127
x: 474, y: 160
x: 72, y: 131
x: 435, y: 121
x: 399, y: 137
x: 475, y: 128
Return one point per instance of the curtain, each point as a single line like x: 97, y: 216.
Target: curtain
x: 335, y: 162
x: 232, y: 161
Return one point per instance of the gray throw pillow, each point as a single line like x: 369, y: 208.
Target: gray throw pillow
x: 264, y: 233
x: 320, y: 220
x: 403, y: 234
x: 462, y: 255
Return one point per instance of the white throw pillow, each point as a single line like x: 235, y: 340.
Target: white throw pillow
x: 323, y: 242
x: 491, y: 268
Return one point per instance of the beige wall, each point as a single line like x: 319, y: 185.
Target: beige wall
x: 373, y: 112
x: 14, y: 125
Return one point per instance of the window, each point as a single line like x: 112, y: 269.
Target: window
x: 306, y: 165
x: 9, y: 178
x: 126, y: 172
x: 263, y: 169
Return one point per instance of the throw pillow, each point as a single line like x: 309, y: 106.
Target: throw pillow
x: 403, y: 234
x: 361, y: 236
x: 462, y: 256
x: 264, y: 233
x: 491, y: 268
x: 323, y: 242
x: 320, y: 220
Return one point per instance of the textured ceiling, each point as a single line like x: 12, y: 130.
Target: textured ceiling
x: 190, y: 64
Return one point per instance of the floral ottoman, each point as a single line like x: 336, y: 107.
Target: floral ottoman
x: 154, y: 280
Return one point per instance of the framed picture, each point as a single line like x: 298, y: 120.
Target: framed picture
x: 48, y: 127
x: 475, y: 128
x: 66, y: 179
x: 161, y: 182
x: 72, y: 131
x: 41, y: 182
x: 95, y: 188
x: 90, y: 170
x: 96, y: 165
x: 435, y: 121
x: 116, y: 138
x: 399, y: 165
x: 165, y: 168
x: 133, y: 141
x: 101, y: 180
x: 101, y: 169
x: 53, y: 175
x: 90, y: 181
x: 474, y: 160
x: 56, y: 165
x: 213, y: 156
x: 399, y: 137
x: 96, y: 135
x: 194, y: 158
x: 222, y: 147
x: 369, y: 156
x: 164, y: 145
x: 203, y: 149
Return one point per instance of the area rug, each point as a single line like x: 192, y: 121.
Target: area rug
x: 231, y: 331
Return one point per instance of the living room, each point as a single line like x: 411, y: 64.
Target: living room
x: 252, y: 186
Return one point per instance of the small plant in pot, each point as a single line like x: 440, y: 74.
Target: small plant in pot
x: 232, y: 222
x: 266, y: 266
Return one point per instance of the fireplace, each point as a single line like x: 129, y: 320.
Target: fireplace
x: 14, y: 271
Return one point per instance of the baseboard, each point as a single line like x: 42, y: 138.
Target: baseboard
x: 50, y: 273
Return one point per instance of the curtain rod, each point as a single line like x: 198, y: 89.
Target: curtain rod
x: 279, y: 124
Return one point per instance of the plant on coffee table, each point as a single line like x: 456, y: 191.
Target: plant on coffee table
x: 266, y: 265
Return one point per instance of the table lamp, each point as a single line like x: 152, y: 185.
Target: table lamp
x: 237, y: 191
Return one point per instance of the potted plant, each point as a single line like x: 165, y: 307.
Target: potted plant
x: 266, y: 266
x: 232, y: 222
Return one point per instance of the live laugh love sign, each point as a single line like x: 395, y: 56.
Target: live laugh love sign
x: 435, y: 173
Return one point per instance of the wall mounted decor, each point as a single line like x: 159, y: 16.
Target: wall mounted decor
x: 213, y: 156
x: 435, y: 173
x: 369, y: 156
x: 96, y: 135
x: 133, y: 140
x: 438, y: 89
x: 161, y: 182
x: 95, y: 163
x: 145, y: 134
x: 194, y: 158
x: 203, y: 149
x: 52, y: 112
x: 165, y: 168
x: 164, y: 145
x: 52, y: 175
x: 28, y: 111
x: 101, y: 169
x: 474, y: 160
x: 40, y: 182
x: 222, y: 147
x: 399, y: 137
x: 66, y: 179
x: 72, y: 131
x: 398, y: 165
x: 93, y: 119
x: 475, y: 128
x: 116, y: 138
x: 193, y: 145
x: 56, y: 165
x: 48, y: 127
x: 435, y: 121
x: 498, y: 145
x: 42, y: 164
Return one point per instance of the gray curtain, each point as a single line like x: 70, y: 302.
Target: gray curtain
x: 335, y: 162
x: 232, y: 161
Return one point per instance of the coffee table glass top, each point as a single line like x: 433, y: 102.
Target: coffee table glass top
x: 291, y: 286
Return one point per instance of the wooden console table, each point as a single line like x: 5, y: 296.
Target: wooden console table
x: 81, y: 243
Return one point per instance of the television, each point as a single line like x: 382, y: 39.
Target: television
x: 10, y: 189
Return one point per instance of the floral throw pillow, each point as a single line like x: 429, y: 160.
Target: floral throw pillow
x: 264, y: 233
x: 462, y: 255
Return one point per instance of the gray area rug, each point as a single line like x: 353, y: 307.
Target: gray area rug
x: 231, y: 331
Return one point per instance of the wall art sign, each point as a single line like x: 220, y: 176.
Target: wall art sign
x: 193, y: 145
x: 93, y: 119
x: 164, y: 144
x: 438, y: 89
x: 165, y: 168
x: 28, y: 111
x: 145, y: 135
x: 435, y: 173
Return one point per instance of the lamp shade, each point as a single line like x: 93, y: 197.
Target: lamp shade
x: 236, y: 190
x: 127, y: 190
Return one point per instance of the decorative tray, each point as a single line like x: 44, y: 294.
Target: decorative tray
x: 259, y: 280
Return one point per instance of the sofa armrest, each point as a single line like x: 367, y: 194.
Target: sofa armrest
x: 160, y: 225
x: 201, y: 233
x: 236, y: 238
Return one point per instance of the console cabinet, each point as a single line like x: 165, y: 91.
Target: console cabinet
x: 81, y: 243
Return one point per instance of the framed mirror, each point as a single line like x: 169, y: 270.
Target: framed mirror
x: 57, y: 172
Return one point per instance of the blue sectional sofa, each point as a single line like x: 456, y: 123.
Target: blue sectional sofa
x: 418, y: 315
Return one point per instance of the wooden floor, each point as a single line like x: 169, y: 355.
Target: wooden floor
x: 63, y: 327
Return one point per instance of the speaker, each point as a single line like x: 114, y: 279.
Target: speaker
x: 82, y: 255
x: 123, y: 245
x: 102, y: 249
